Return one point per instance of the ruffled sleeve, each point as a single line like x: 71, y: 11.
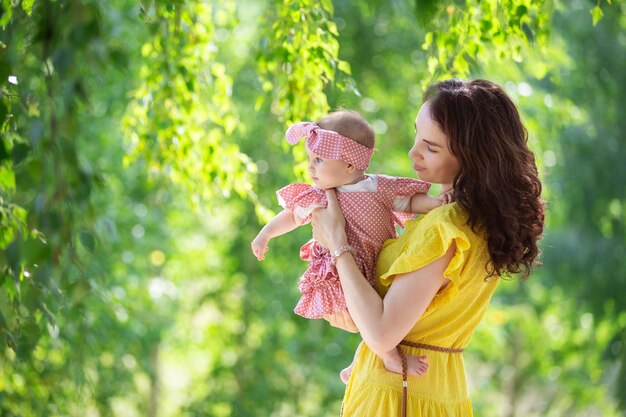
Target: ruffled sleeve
x: 406, y: 187
x: 301, y: 199
x: 426, y: 240
x: 403, y: 189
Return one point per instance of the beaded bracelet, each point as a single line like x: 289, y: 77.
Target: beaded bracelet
x: 340, y: 251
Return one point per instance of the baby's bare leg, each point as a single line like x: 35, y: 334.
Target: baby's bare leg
x: 415, y: 365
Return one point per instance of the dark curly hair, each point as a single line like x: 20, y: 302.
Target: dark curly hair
x: 497, y: 183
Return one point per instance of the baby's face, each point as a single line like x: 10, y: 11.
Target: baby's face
x: 329, y: 173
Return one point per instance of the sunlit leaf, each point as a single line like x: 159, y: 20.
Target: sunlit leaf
x: 596, y: 14
x: 14, y: 259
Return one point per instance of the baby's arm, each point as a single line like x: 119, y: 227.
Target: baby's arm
x: 283, y: 222
x: 422, y: 203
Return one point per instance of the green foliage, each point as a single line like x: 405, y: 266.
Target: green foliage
x: 299, y: 57
x: 140, y: 143
x: 181, y: 117
x: 592, y: 229
x: 46, y: 186
x: 527, y: 360
x: 480, y: 31
x: 297, y: 60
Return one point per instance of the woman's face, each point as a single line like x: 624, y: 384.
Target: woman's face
x: 431, y: 156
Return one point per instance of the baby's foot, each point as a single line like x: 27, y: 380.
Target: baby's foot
x: 345, y: 374
x: 415, y: 365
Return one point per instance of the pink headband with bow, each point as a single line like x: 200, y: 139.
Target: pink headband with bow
x: 329, y: 144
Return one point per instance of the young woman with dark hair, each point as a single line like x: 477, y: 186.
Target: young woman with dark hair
x: 436, y: 280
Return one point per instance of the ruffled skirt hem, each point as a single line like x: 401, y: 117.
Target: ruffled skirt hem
x: 382, y: 401
x: 317, y: 302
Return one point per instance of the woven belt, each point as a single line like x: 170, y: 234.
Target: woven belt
x: 405, y: 383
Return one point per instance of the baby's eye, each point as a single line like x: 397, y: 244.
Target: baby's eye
x: 318, y: 160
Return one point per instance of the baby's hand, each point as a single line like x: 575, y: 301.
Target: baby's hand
x: 446, y: 198
x: 259, y: 246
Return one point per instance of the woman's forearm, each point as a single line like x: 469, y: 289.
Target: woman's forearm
x: 384, y: 323
x: 363, y: 302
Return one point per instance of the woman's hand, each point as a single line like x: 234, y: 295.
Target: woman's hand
x: 329, y: 224
x: 342, y: 320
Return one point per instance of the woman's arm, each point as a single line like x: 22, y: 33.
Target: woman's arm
x: 283, y: 222
x: 382, y: 323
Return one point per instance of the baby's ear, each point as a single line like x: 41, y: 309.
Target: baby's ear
x: 351, y: 168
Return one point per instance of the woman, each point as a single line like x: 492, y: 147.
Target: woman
x: 437, y: 279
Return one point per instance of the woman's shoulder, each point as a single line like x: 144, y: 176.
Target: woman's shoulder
x: 427, y: 239
x: 443, y: 223
x: 449, y: 214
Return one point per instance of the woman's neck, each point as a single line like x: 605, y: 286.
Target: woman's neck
x: 446, y: 187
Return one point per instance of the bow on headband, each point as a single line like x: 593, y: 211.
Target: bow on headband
x: 329, y: 144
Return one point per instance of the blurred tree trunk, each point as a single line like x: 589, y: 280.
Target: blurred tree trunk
x: 155, y: 385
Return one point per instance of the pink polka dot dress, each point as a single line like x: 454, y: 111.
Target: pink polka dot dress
x: 372, y: 208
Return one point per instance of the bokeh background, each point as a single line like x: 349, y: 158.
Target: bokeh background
x: 143, y: 141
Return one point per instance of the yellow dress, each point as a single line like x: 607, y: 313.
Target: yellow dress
x: 449, y: 321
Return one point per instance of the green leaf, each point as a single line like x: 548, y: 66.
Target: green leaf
x: 14, y: 259
x: 63, y: 59
x: 7, y: 177
x: 4, y: 153
x: 13, y: 290
x: 5, y: 69
x: 528, y: 32
x: 27, y: 340
x: 47, y: 314
x: 596, y: 14
x: 35, y: 251
x: 3, y: 322
x: 3, y: 112
x: 19, y: 152
x: 425, y: 10
x: 27, y: 5
x: 88, y: 241
x: 344, y: 67
x: 10, y: 341
x: 7, y: 12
